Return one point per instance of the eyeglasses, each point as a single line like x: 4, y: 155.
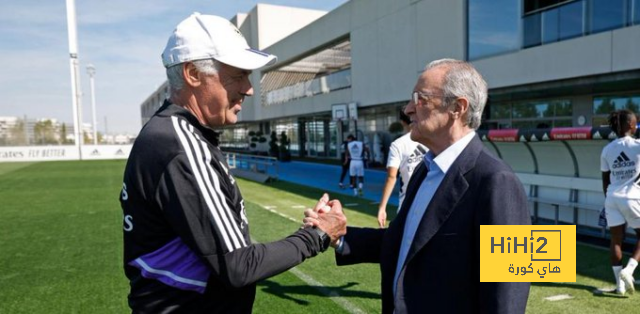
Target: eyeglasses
x: 415, y: 96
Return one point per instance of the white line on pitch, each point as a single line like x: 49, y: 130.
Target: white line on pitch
x: 351, y: 204
x: 282, y: 215
x: 334, y: 296
x: 559, y: 297
x: 298, y: 206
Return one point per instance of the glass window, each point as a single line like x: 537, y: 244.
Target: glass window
x: 562, y: 123
x: 534, y: 5
x: 500, y: 111
x: 606, y: 15
x: 290, y: 128
x: 488, y: 35
x: 550, y: 32
x: 563, y: 108
x: 608, y: 104
x: 532, y: 110
x: 636, y: 12
x: 531, y: 30
x: 571, y: 17
x: 530, y: 115
x: 533, y: 124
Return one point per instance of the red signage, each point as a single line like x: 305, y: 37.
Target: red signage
x: 506, y: 135
x: 583, y: 133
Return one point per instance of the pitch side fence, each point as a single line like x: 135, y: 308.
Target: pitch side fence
x: 560, y: 171
x: 63, y: 152
x: 253, y: 167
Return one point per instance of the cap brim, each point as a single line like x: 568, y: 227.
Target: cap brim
x: 248, y: 59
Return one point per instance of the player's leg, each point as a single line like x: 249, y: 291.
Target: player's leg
x: 353, y: 172
x: 631, y: 214
x: 617, y: 226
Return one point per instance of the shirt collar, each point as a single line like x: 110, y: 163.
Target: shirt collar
x: 445, y: 159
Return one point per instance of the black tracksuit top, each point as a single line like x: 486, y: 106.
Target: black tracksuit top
x: 187, y: 247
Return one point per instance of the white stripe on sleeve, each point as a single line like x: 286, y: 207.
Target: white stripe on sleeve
x: 199, y: 180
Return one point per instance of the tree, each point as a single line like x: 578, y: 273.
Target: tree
x: 606, y: 107
x: 17, y: 135
x: 253, y: 140
x: 44, y: 132
x: 630, y: 105
x: 273, y: 145
x: 63, y: 134
x: 285, y: 154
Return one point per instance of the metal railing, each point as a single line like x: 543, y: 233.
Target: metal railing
x: 253, y: 163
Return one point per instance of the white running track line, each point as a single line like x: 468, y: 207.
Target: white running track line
x: 334, y: 296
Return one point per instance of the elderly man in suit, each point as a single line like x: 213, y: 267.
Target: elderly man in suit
x: 430, y: 254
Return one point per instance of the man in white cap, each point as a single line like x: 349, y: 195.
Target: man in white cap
x: 187, y: 246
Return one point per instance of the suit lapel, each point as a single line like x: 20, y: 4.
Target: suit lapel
x: 393, y: 236
x: 446, y: 198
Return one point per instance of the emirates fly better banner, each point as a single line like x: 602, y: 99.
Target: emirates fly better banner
x: 66, y: 152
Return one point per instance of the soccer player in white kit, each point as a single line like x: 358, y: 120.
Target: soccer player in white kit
x: 404, y: 156
x: 355, y: 152
x: 620, y: 165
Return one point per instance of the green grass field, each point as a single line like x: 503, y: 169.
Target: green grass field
x: 61, y: 249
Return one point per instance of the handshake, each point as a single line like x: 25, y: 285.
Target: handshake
x: 327, y: 216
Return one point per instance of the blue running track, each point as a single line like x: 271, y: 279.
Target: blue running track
x: 325, y: 177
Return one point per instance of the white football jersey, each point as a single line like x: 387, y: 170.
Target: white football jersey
x: 356, y: 150
x: 622, y: 158
x: 405, y: 155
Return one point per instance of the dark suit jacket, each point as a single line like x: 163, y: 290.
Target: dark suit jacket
x: 441, y: 273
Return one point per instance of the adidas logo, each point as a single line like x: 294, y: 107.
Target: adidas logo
x: 416, y: 155
x: 623, y: 161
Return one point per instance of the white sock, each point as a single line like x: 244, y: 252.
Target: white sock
x: 360, y: 187
x: 355, y: 191
x: 619, y: 284
x: 631, y: 265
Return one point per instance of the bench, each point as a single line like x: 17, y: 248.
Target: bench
x: 557, y: 203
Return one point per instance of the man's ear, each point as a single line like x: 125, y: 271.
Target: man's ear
x: 460, y: 107
x: 191, y: 74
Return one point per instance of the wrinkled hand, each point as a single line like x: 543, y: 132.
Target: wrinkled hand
x: 328, y: 217
x: 382, y: 217
x: 322, y: 204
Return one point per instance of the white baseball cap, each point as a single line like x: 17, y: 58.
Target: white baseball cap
x: 201, y: 37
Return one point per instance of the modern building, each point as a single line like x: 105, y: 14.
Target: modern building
x: 550, y: 64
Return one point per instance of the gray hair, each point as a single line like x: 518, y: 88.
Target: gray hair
x: 463, y: 80
x: 176, y: 79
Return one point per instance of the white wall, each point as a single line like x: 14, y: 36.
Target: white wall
x: 263, y: 26
x: 391, y: 42
x: 607, y: 52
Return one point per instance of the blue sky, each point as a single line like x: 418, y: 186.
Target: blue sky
x: 123, y: 39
